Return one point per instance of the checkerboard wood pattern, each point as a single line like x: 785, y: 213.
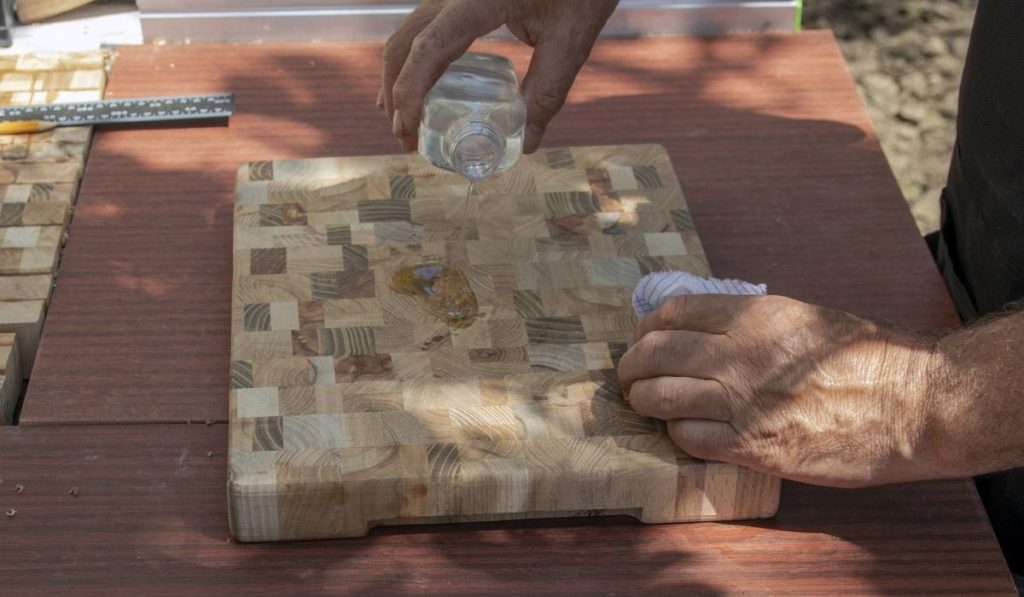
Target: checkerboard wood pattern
x: 353, y: 405
x: 39, y: 176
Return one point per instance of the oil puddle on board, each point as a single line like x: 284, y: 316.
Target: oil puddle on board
x: 444, y: 290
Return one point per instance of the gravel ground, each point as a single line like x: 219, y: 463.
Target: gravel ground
x: 906, y: 56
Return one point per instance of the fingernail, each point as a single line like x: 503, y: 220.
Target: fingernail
x: 397, y: 127
x: 534, y: 134
x: 398, y: 130
x: 380, y: 99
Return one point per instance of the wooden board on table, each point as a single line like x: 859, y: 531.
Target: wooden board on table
x: 353, y: 405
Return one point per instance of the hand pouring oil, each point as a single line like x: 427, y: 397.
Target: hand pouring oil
x: 473, y: 122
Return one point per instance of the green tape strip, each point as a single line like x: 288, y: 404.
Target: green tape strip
x: 799, y: 16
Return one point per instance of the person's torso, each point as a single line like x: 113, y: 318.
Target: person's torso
x: 983, y: 203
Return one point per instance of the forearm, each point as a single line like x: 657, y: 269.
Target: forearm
x: 975, y: 409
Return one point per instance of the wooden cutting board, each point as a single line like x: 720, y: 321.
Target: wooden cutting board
x: 353, y: 405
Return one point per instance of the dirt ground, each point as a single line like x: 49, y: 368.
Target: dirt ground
x: 906, y: 56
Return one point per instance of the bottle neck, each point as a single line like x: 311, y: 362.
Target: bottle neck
x: 474, y: 147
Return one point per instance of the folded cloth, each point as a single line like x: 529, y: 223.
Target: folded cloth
x: 654, y: 289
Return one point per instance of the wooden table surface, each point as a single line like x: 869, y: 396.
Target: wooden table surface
x: 787, y: 185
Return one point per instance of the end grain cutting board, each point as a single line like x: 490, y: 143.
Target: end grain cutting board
x: 354, y: 406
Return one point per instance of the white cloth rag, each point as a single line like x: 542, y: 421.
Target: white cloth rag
x: 654, y: 289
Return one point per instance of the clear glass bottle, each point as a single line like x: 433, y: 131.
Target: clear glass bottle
x: 473, y: 118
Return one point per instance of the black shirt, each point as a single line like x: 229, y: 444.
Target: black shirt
x: 981, y: 242
x: 981, y: 249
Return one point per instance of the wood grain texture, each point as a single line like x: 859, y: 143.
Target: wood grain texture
x: 151, y: 518
x: 10, y: 378
x: 513, y: 413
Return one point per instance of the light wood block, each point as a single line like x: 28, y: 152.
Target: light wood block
x: 24, y: 237
x: 25, y: 320
x: 10, y: 378
x: 30, y: 249
x: 353, y: 405
x: 38, y: 193
x: 39, y: 213
x: 15, y: 261
x: 26, y: 288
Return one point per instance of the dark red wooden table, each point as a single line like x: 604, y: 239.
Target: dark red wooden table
x: 787, y: 185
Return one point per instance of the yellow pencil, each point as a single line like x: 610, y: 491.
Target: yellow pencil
x: 18, y: 127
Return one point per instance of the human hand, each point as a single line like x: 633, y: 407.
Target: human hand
x: 439, y: 31
x: 791, y: 389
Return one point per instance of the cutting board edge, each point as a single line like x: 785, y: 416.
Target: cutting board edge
x: 245, y: 491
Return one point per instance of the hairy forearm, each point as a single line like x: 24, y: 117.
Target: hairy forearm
x: 975, y: 410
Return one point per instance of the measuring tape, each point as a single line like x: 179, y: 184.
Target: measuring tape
x: 152, y: 109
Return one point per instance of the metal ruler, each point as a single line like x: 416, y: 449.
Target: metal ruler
x: 122, y: 111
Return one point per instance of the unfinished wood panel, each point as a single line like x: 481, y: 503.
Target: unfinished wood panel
x: 52, y: 160
x: 39, y: 177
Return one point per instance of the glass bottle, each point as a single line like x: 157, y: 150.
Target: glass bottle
x: 473, y: 118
